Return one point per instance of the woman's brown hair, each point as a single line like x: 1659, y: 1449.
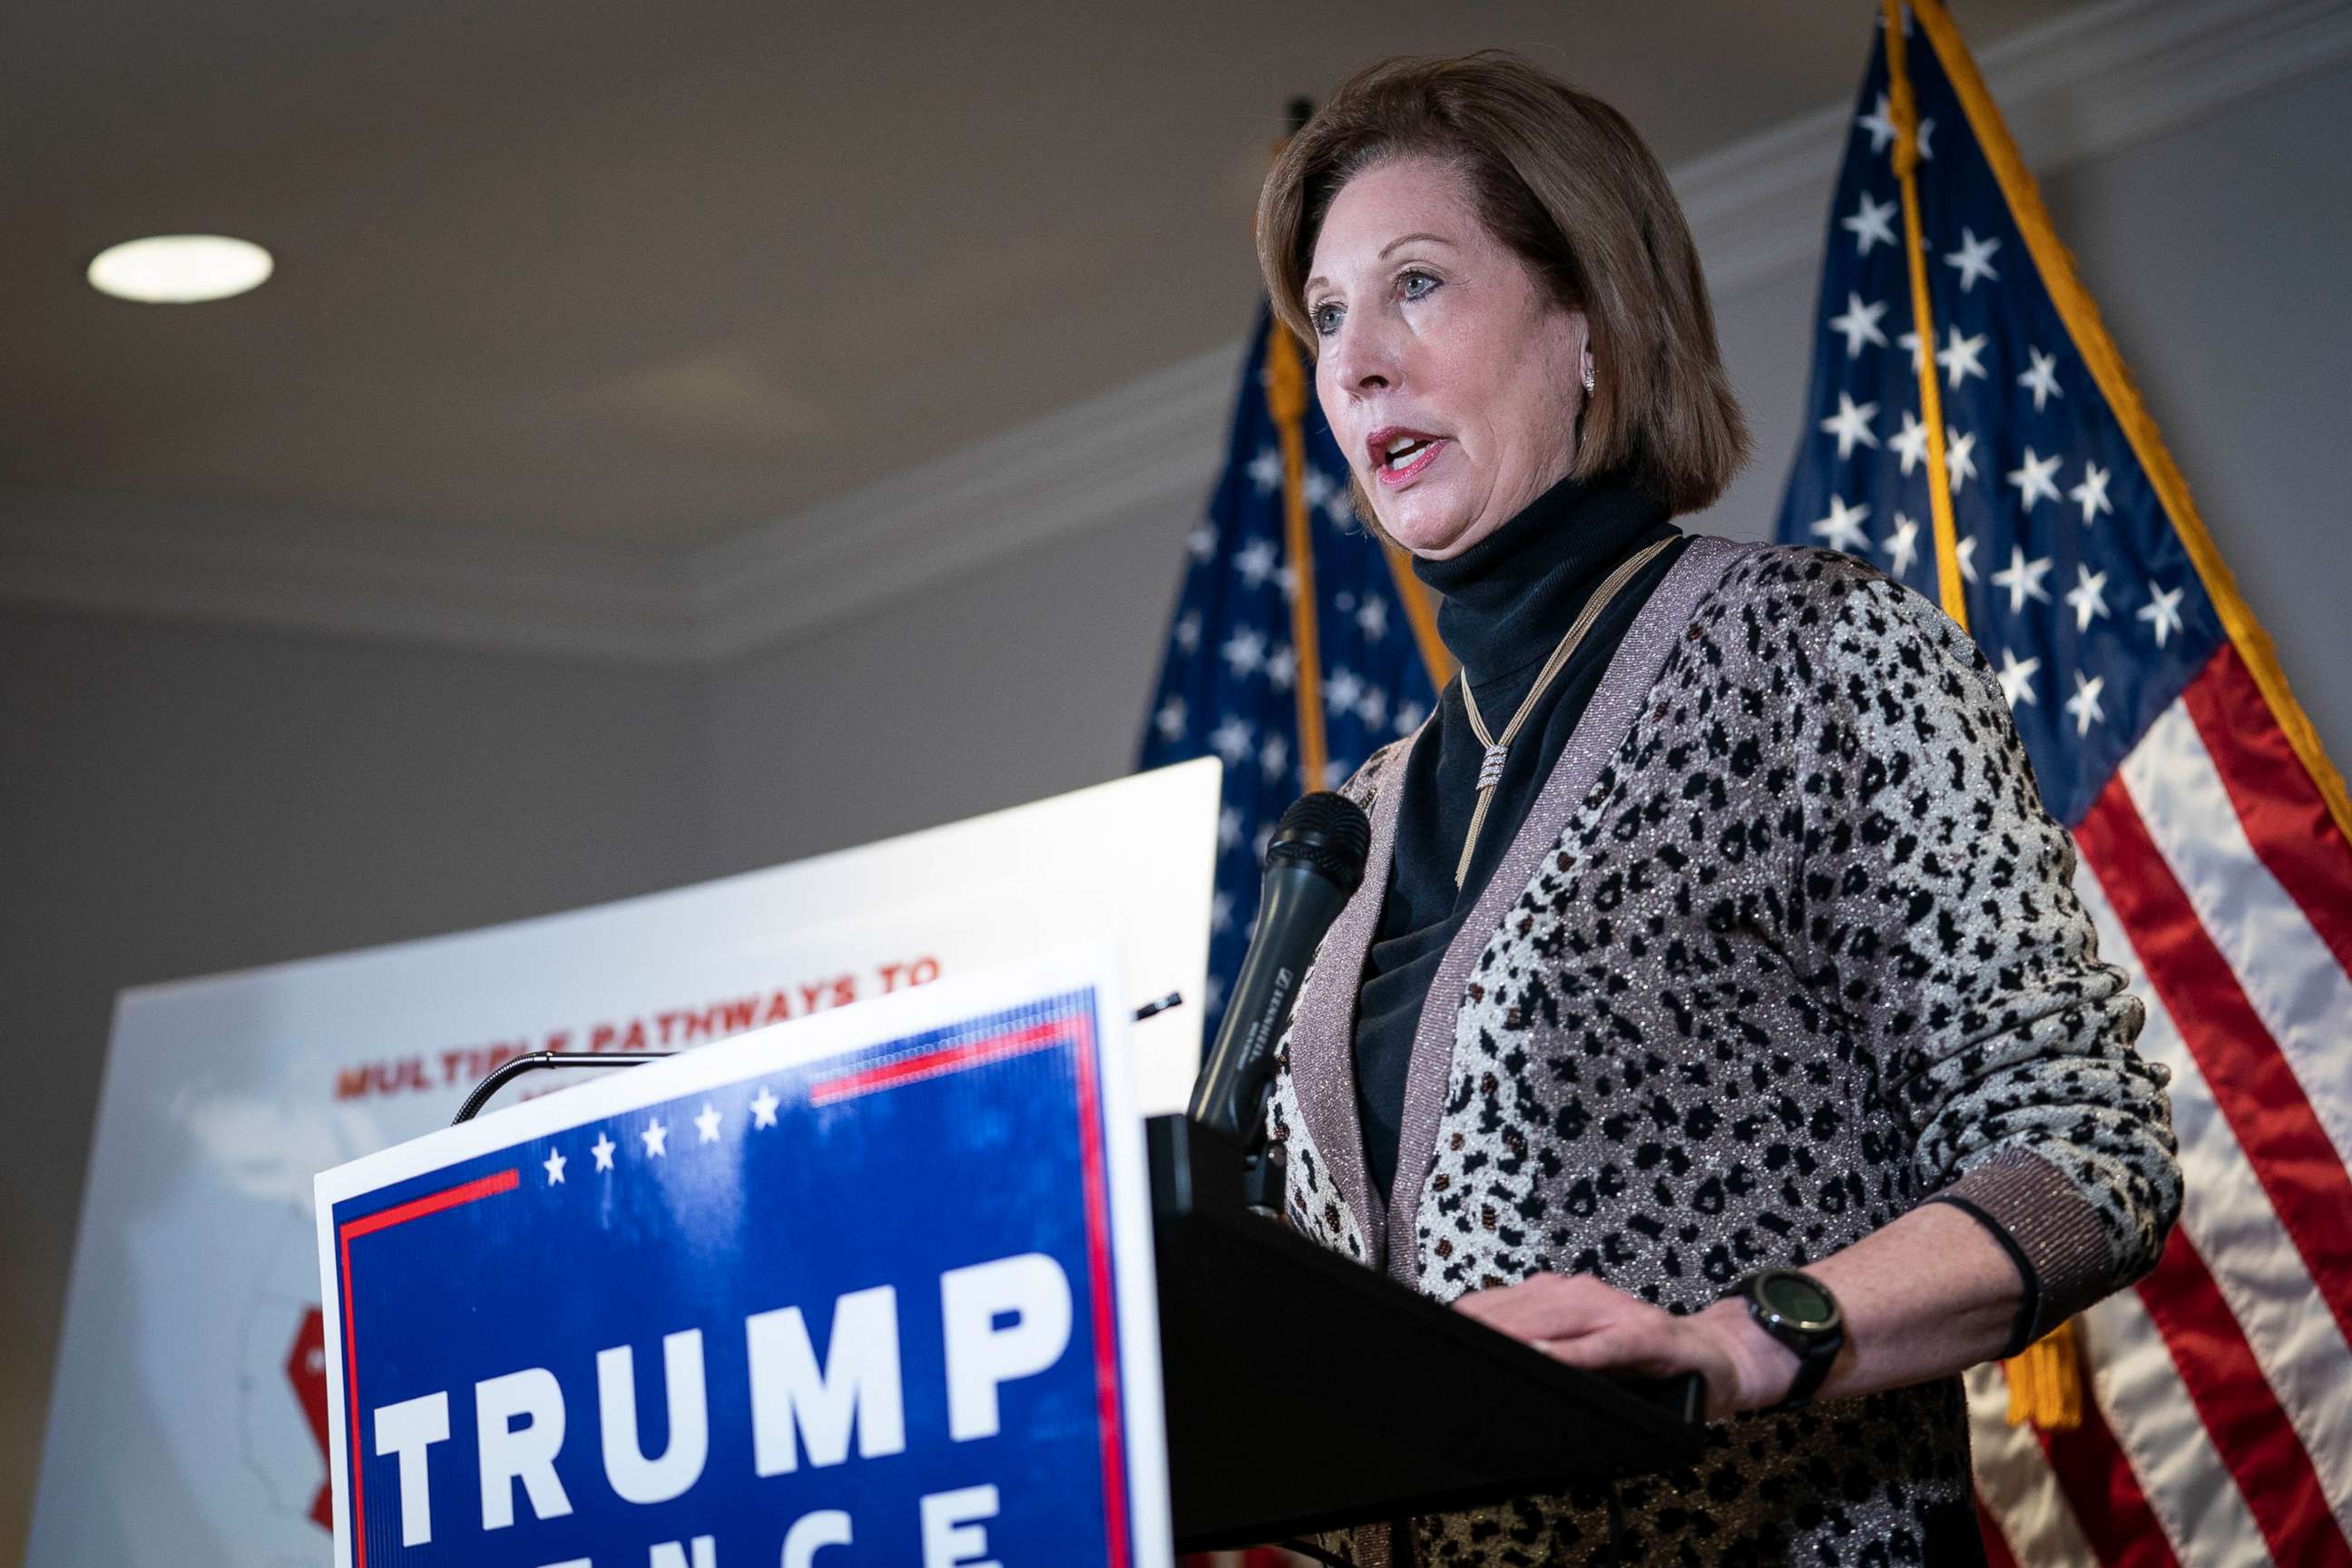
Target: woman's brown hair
x: 1564, y: 181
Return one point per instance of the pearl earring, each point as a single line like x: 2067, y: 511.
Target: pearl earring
x: 1587, y: 378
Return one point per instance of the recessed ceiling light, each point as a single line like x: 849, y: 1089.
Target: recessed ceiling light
x: 179, y: 268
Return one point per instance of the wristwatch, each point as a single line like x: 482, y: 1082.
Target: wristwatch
x: 1798, y: 1310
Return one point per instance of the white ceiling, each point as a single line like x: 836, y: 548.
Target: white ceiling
x: 639, y: 283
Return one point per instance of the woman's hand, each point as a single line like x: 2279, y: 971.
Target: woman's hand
x: 1578, y: 1320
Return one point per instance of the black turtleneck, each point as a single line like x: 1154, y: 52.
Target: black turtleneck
x: 1508, y: 599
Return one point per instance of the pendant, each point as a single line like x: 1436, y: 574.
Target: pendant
x: 1490, y: 771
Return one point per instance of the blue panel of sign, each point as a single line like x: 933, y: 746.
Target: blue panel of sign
x: 855, y: 1310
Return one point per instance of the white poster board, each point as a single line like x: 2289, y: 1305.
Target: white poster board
x: 187, y: 1426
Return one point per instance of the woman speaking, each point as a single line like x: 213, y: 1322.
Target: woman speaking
x: 1715, y: 1000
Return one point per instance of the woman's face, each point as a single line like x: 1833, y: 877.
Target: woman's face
x: 1450, y: 374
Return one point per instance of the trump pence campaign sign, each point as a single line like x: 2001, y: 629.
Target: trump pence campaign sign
x: 870, y: 1288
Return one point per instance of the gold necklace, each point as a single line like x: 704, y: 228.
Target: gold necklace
x: 1490, y: 769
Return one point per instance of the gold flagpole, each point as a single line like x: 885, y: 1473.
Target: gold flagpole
x: 1931, y: 402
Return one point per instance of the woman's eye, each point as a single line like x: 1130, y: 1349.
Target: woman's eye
x: 1416, y: 285
x: 1325, y: 320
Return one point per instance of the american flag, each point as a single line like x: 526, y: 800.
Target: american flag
x: 1233, y: 678
x: 2215, y: 859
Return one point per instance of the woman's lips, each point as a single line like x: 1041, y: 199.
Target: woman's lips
x: 1392, y: 477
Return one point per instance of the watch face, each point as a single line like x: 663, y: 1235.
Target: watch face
x: 1792, y: 1297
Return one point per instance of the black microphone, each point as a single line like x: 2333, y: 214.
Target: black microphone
x: 1313, y: 867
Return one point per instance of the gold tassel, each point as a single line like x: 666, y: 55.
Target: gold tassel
x: 2045, y: 1382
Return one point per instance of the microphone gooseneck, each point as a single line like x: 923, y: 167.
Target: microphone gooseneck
x: 1313, y: 865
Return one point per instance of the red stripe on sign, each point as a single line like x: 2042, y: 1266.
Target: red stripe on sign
x: 2256, y: 1090
x: 937, y: 1063
x: 367, y: 1225
x: 1107, y: 1413
x: 2105, y: 1494
x: 1996, y: 1544
x: 2242, y: 1413
x: 2284, y: 818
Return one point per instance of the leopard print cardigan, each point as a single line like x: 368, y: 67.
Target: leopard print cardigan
x: 1787, y: 946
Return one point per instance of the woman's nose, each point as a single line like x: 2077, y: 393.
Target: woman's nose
x: 1362, y: 360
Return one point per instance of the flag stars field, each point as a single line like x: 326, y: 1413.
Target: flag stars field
x: 2023, y: 577
x: 656, y: 1140
x: 603, y: 1149
x: 2091, y: 495
x: 2087, y: 597
x: 1851, y: 424
x: 1842, y: 530
x: 1959, y: 355
x: 1859, y: 325
x: 1872, y: 224
x: 763, y: 1107
x: 1973, y: 259
x: 2016, y: 678
x: 2034, y: 480
x: 2042, y: 379
x: 2083, y: 706
x: 706, y: 1123
x: 553, y: 1164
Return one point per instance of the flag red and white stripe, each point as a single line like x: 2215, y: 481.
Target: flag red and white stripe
x: 2220, y: 1422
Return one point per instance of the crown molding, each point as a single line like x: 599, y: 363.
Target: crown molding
x: 2089, y: 83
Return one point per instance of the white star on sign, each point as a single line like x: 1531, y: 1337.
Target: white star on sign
x: 706, y: 1124
x: 1245, y: 651
x: 1231, y: 739
x: 1904, y: 543
x: 1871, y: 223
x: 1974, y: 260
x: 1254, y: 562
x: 2088, y: 596
x: 2016, y: 679
x: 1842, y: 530
x: 1851, y: 423
x: 1169, y: 720
x: 2163, y: 612
x: 2022, y: 578
x: 1911, y: 445
x: 2042, y: 379
x: 1959, y: 457
x: 2033, y: 479
x: 603, y: 1149
x: 1265, y: 471
x: 763, y: 1107
x: 1860, y: 324
x: 1880, y: 123
x: 2091, y: 495
x: 2084, y: 704
x: 657, y: 1139
x: 554, y: 1162
x: 1372, y: 620
x: 1958, y: 355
